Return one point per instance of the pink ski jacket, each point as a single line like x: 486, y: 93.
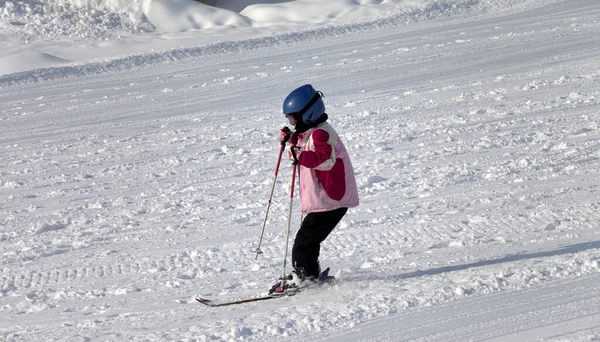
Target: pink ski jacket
x: 326, y: 174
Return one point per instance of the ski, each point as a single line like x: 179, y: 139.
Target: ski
x: 217, y: 303
x: 324, y: 278
x: 213, y: 303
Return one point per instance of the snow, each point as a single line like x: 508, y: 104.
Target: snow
x: 47, y: 33
x: 139, y: 139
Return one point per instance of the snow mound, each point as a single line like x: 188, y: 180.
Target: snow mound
x: 185, y: 15
x: 41, y: 34
x: 16, y: 63
x: 92, y: 20
x: 63, y: 21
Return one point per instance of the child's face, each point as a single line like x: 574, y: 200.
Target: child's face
x: 291, y: 119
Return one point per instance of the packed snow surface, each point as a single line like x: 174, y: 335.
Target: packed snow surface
x: 137, y: 163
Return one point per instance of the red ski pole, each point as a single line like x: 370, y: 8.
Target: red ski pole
x: 287, y: 237
x: 286, y: 131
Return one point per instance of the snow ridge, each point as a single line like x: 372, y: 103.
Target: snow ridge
x: 434, y: 10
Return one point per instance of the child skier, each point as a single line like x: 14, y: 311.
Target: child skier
x: 327, y: 183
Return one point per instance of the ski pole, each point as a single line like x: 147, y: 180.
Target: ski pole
x: 301, y: 213
x: 286, y: 131
x: 287, y: 237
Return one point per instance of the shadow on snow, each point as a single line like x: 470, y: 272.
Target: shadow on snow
x: 570, y: 249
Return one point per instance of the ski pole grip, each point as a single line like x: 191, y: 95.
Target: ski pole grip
x: 284, y: 136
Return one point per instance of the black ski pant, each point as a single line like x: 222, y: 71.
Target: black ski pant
x: 314, y: 229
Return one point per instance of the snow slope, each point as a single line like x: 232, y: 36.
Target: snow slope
x: 47, y: 33
x: 132, y: 185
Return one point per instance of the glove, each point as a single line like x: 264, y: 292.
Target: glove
x: 294, y: 153
x: 284, y: 135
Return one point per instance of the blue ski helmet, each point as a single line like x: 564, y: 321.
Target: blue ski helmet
x: 305, y: 102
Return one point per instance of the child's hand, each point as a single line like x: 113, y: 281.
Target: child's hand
x: 294, y: 153
x: 284, y: 135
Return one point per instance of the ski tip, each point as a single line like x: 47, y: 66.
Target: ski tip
x: 203, y: 300
x: 324, y: 275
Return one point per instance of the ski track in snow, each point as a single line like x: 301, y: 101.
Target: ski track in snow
x: 475, y: 141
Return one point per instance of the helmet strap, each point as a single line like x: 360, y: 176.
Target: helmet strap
x: 302, y: 127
